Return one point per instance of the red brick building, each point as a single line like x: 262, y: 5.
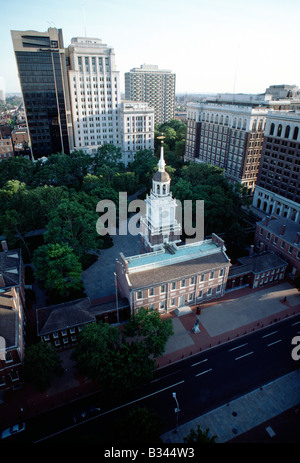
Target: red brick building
x: 12, y: 318
x: 281, y: 236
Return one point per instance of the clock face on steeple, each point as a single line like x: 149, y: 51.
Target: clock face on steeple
x: 165, y: 214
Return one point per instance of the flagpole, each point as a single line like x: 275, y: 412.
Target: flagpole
x: 117, y: 296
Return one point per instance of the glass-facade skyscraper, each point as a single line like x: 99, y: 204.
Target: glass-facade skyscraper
x: 42, y: 67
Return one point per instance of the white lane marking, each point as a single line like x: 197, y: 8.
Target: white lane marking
x: 245, y: 355
x: 275, y: 342
x: 201, y: 361
x: 238, y: 347
x: 203, y: 372
x: 269, y: 334
x: 166, y: 376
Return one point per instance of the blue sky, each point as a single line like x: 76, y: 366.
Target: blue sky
x: 211, y: 45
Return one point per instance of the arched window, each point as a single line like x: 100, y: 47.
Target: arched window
x: 260, y: 124
x: 272, y: 128
x: 226, y: 120
x: 287, y: 131
x: 234, y: 123
x: 164, y: 189
x: 158, y: 189
x: 254, y: 125
x: 279, y: 130
x: 296, y: 131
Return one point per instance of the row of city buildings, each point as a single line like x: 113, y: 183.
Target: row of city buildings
x: 72, y: 96
x: 13, y: 142
x: 166, y: 276
x: 72, y: 101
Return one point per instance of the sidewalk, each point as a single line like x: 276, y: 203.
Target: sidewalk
x: 246, y: 412
x: 266, y: 307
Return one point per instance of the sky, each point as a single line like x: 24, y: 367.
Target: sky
x: 213, y: 46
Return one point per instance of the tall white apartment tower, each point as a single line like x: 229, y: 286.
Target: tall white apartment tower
x: 95, y: 94
x: 154, y: 86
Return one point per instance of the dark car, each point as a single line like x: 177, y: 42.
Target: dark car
x: 85, y: 414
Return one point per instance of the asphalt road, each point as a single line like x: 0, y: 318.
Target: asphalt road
x: 202, y: 383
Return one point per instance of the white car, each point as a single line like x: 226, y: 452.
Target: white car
x: 13, y: 430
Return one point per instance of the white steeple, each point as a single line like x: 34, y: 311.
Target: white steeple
x: 161, y: 163
x: 159, y: 226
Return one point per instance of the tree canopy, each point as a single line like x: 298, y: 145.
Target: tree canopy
x: 122, y: 359
x: 41, y: 365
x: 58, y: 268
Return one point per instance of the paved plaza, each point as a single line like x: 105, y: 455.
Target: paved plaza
x: 232, y: 313
x: 237, y: 312
x: 98, y: 279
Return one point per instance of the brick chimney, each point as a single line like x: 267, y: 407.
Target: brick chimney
x: 2, y: 282
x: 267, y: 220
x: 297, y: 240
x: 282, y: 229
x: 4, y: 245
x: 251, y: 250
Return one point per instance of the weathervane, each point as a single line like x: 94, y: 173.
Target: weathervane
x: 161, y: 137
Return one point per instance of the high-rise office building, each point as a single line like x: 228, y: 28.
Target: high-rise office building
x: 99, y: 116
x: 154, y: 86
x: 229, y: 136
x: 95, y: 94
x: 277, y: 191
x: 42, y: 69
x: 72, y: 97
x: 137, y: 128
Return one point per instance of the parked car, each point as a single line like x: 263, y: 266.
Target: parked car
x: 13, y: 430
x: 85, y: 414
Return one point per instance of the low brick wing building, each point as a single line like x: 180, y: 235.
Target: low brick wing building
x: 12, y: 318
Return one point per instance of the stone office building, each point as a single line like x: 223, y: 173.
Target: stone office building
x: 229, y: 136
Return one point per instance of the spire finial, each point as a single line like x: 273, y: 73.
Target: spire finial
x: 162, y: 163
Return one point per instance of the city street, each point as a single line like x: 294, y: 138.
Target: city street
x: 202, y: 383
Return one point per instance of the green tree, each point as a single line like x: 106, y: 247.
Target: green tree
x: 108, y: 155
x: 41, y: 365
x: 199, y: 436
x: 16, y: 168
x: 152, y: 331
x: 144, y: 166
x: 58, y: 268
x: 62, y: 169
x: 74, y: 224
x: 103, y: 354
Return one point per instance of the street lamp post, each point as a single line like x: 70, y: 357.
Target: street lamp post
x: 116, y: 296
x: 176, y: 410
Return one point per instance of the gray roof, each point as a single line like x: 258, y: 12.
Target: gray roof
x: 257, y: 263
x: 263, y: 262
x: 71, y: 314
x: 10, y: 267
x: 275, y: 224
x: 178, y: 270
